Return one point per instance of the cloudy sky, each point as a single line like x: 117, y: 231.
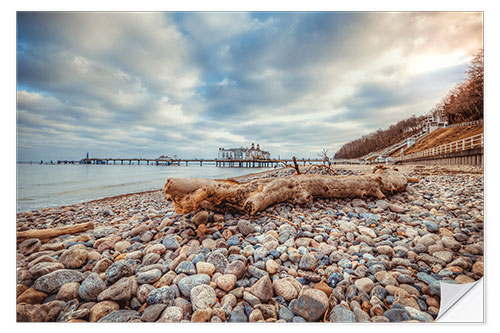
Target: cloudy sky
x: 149, y: 84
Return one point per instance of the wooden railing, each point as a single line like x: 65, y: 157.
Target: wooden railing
x: 468, y: 123
x: 472, y: 142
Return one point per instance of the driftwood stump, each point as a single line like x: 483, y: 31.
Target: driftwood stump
x: 190, y: 194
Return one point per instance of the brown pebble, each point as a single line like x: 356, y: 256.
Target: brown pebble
x: 324, y: 288
x: 464, y: 279
x: 201, y: 230
x: 201, y: 316
x: 31, y: 296
x: 121, y: 256
x: 20, y: 288
x: 431, y: 301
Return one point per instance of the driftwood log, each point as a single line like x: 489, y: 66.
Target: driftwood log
x: 190, y: 194
x: 46, y: 234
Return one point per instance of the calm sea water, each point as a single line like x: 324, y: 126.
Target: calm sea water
x: 40, y: 186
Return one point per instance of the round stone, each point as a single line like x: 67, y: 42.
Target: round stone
x: 209, y: 244
x: 237, y: 268
x: 229, y: 299
x: 364, y: 284
x: 201, y: 316
x: 237, y: 316
x: 117, y: 270
x: 30, y: 313
x: 101, y: 309
x: 233, y: 240
x: 310, y: 305
x: 385, y: 278
x: 68, y: 291
x: 263, y: 289
x: 271, y: 266
x: 91, y: 287
x: 163, y: 295
x: 170, y: 243
x: 185, y: 267
x: 397, y: 315
x: 172, y: 314
x: 203, y: 297
x: 245, y: 227
x: 149, y: 277
x: 334, y: 278
x: 143, y: 291
x: 255, y: 316
x: 205, y: 268
x: 308, y: 262
x: 43, y: 268
x: 260, y: 253
x: 150, y: 259
x: 187, y: 283
x: 285, y: 314
x: 120, y: 316
x: 31, y: 296
x: 386, y: 250
x: 121, y: 246
x: 156, y: 248
x: 446, y: 256
x: 218, y: 260
x: 285, y: 289
x: 405, y: 279
x: 30, y: 246
x: 119, y: 291
x: 344, y: 263
x: 152, y: 312
x: 341, y: 314
x: 200, y: 218
x: 51, y: 282
x: 73, y: 258
x: 431, y: 226
x: 226, y: 282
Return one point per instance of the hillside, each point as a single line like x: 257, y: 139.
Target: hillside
x: 381, y: 139
x: 445, y: 135
x: 463, y: 103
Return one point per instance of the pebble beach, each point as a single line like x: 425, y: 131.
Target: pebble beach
x: 337, y: 260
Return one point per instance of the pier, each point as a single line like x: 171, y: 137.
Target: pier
x: 258, y: 163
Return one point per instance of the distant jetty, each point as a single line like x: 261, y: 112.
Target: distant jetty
x: 253, y: 163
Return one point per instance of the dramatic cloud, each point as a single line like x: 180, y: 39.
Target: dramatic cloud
x: 149, y: 84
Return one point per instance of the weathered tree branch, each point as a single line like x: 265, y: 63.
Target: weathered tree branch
x: 46, y: 234
x: 321, y: 166
x: 190, y: 194
x: 296, y: 166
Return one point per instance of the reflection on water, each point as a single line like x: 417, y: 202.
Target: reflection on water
x: 41, y: 186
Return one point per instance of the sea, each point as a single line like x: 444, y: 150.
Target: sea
x: 41, y: 185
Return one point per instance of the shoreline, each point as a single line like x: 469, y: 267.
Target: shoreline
x: 409, y: 169
x: 88, y: 201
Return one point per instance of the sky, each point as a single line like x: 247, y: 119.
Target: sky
x: 128, y: 85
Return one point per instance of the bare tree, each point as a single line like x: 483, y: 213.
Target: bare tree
x: 324, y: 155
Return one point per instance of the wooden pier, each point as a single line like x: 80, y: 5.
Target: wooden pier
x: 258, y: 163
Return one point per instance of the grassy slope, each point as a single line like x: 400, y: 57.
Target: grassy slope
x: 445, y: 135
